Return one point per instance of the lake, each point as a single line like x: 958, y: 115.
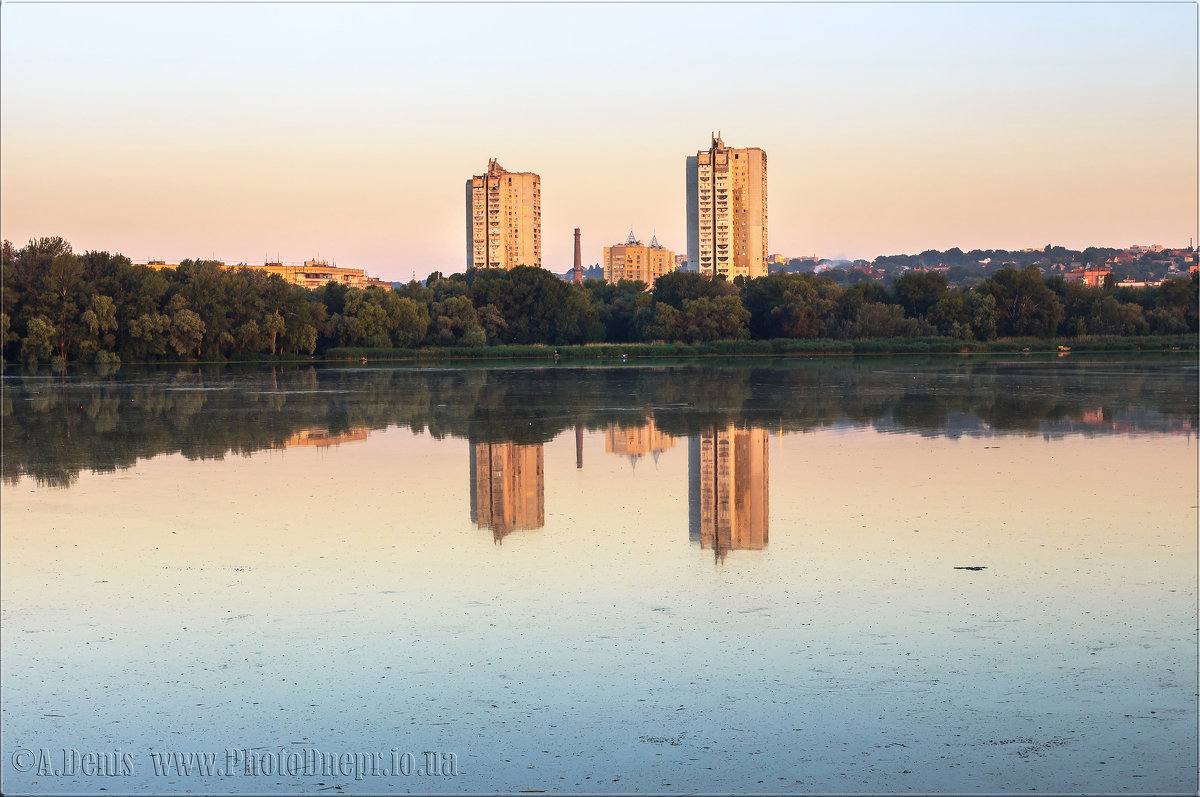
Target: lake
x: 963, y: 574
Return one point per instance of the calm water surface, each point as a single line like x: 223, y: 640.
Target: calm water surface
x: 960, y: 575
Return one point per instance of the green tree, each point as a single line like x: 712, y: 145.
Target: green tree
x: 407, y: 321
x: 1024, y: 304
x: 273, y: 325
x: 950, y: 316
x: 1177, y: 303
x: 879, y: 320
x: 302, y: 338
x: 984, y: 315
x: 490, y: 319
x: 717, y: 318
x: 676, y: 287
x: 453, y: 318
x: 919, y: 291
x: 249, y: 338
x: 64, y: 283
x: 333, y: 296
x: 148, y: 335
x: 658, y: 322
x: 617, y: 305
x: 5, y: 324
x: 100, y: 321
x: 39, y: 339
x: 791, y: 305
x: 187, y: 332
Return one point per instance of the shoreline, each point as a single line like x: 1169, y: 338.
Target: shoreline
x: 618, y: 353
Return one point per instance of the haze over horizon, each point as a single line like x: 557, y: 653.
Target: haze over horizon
x: 237, y: 131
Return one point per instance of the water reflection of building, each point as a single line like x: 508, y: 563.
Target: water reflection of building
x: 636, y: 441
x: 323, y: 437
x: 508, y: 487
x: 728, y: 482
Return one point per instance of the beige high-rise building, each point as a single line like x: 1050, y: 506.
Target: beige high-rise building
x: 504, y: 219
x: 727, y: 211
x: 508, y: 487
x: 729, y: 467
x: 634, y: 261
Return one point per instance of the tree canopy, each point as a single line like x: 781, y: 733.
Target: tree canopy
x: 57, y: 304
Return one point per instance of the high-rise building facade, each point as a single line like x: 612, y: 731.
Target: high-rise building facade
x: 504, y: 219
x: 634, y: 261
x: 727, y: 211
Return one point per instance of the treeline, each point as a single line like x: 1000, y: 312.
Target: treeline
x: 97, y: 306
x: 975, y: 258
x: 970, y: 268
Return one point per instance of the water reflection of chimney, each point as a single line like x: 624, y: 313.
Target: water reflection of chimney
x: 579, y: 446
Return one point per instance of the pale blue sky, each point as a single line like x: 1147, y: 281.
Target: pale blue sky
x: 177, y: 130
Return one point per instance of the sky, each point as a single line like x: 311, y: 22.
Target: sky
x: 347, y: 132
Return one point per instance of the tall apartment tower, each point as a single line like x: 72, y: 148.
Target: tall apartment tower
x: 727, y: 211
x: 504, y: 219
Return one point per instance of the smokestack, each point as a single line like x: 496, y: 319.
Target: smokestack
x: 578, y: 260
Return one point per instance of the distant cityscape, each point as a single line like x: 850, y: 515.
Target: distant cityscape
x: 727, y: 237
x: 61, y: 307
x: 1138, y: 266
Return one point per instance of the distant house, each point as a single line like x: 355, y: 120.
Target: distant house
x: 1088, y: 275
x: 313, y: 274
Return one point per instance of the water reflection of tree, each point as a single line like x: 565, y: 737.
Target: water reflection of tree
x: 54, y: 427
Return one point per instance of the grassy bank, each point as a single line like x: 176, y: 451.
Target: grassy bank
x: 729, y: 348
x: 782, y: 346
